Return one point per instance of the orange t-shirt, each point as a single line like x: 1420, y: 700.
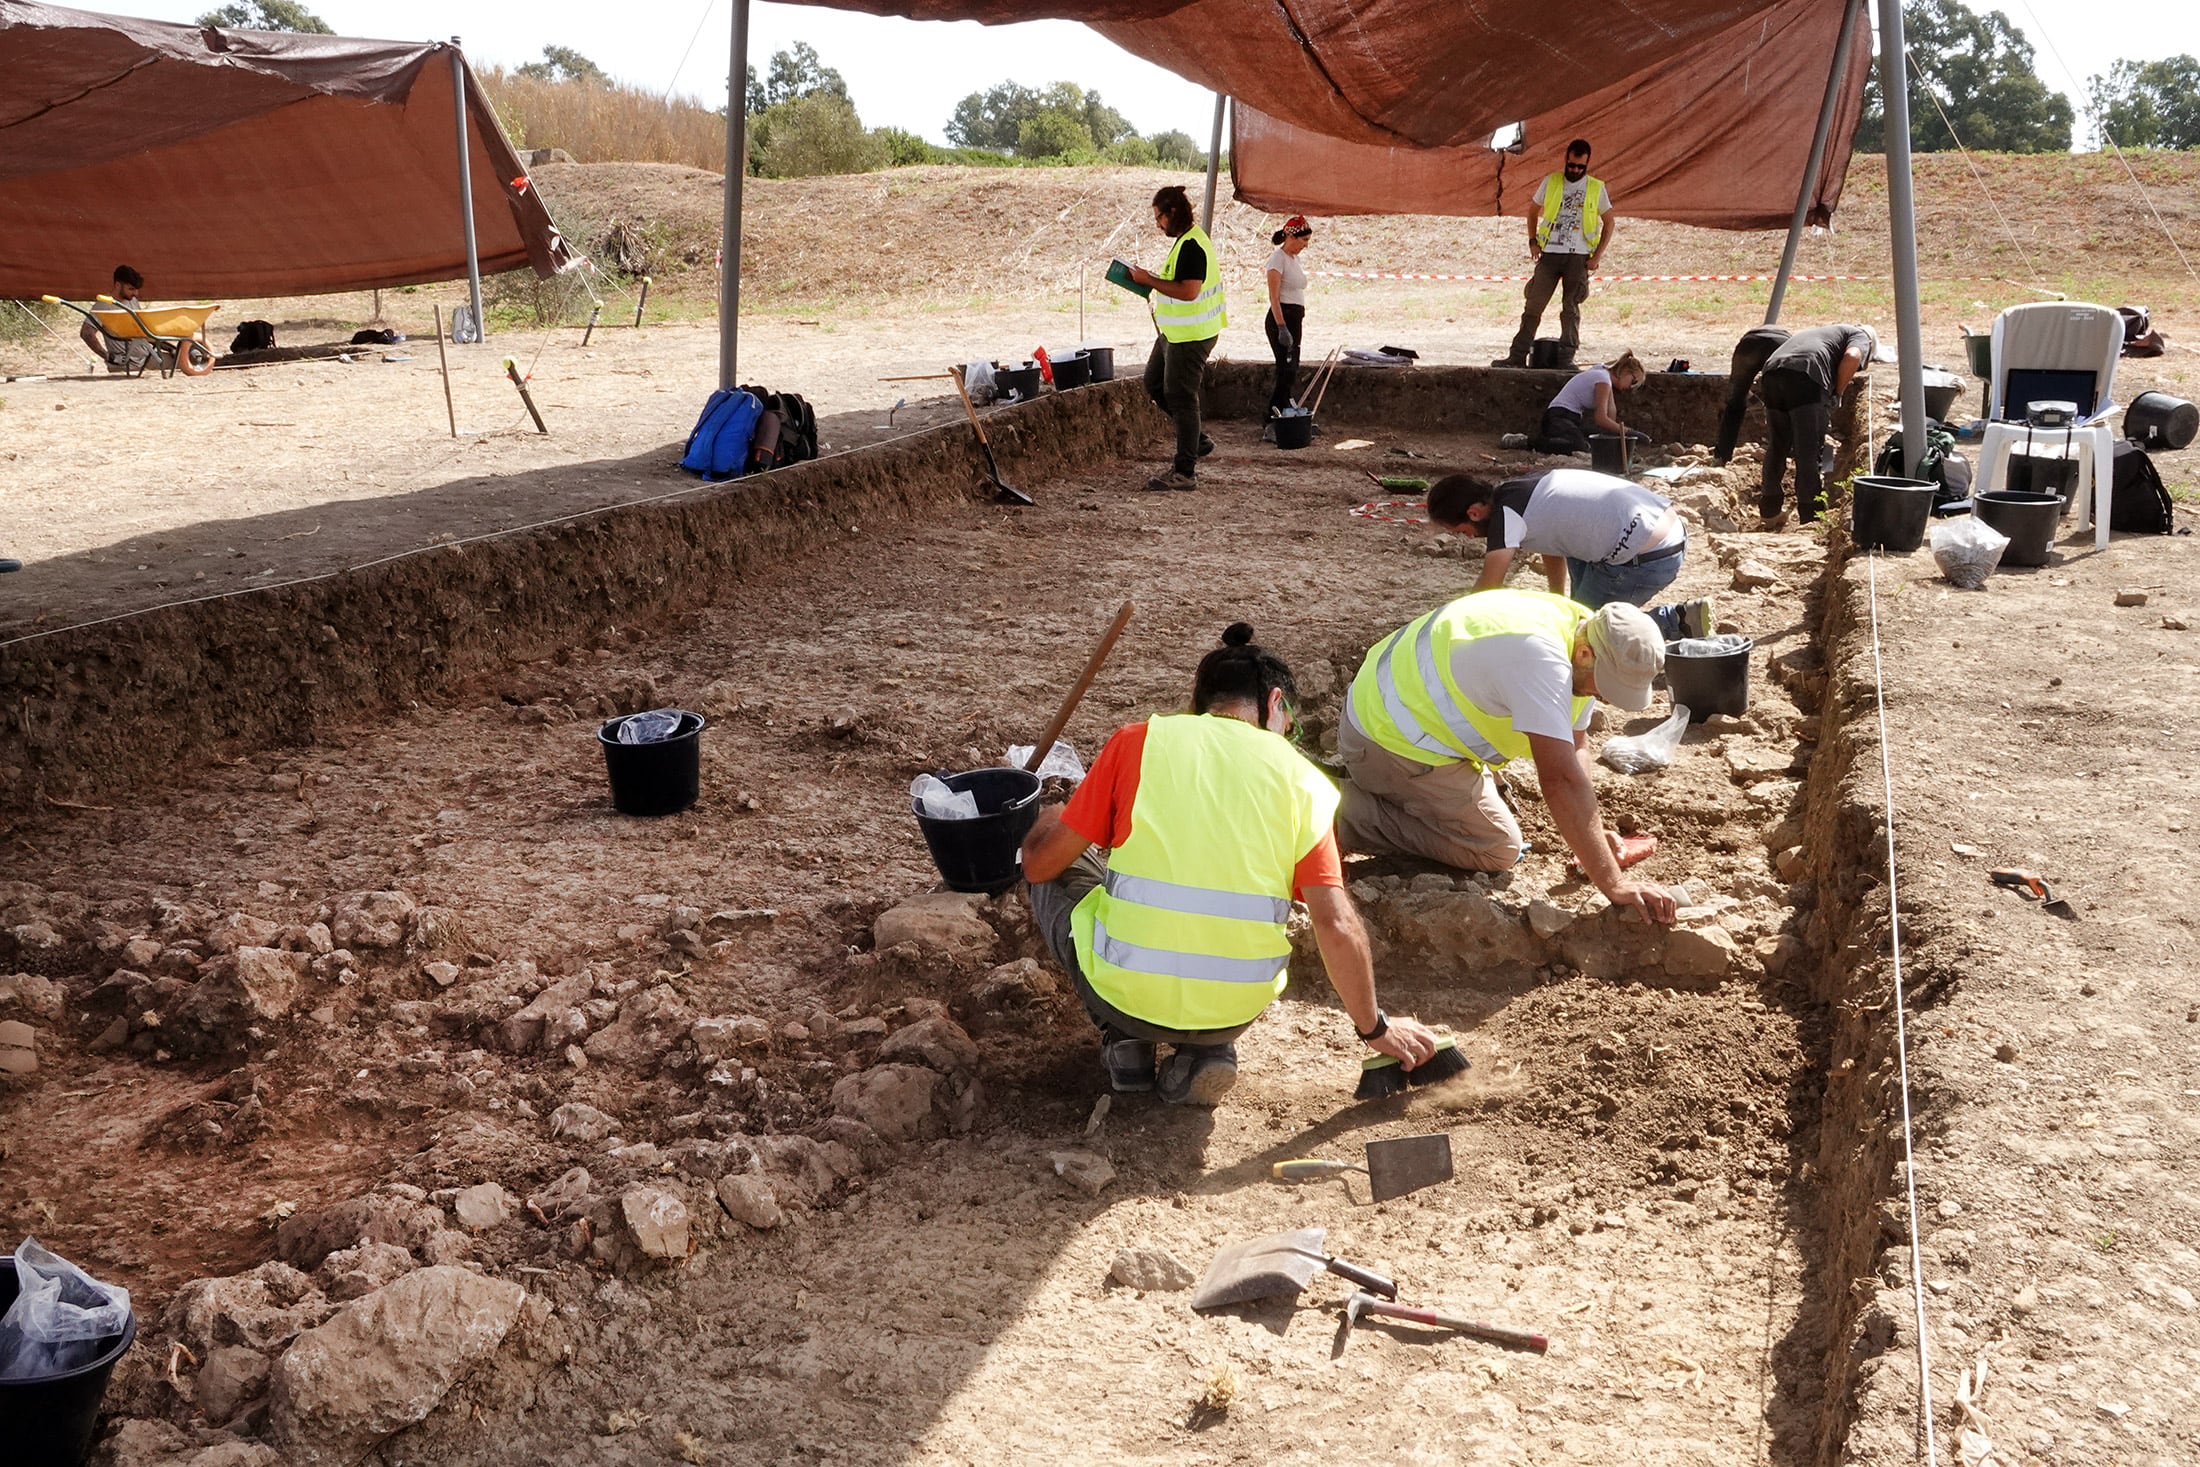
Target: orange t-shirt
x: 1100, y: 811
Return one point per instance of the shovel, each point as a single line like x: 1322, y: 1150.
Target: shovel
x: 1269, y: 1268
x: 1006, y: 492
x: 1394, y: 1168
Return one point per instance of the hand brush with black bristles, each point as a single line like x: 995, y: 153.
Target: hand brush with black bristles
x: 1381, y: 1076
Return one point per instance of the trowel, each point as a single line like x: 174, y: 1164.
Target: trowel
x: 1394, y: 1167
x: 1269, y: 1268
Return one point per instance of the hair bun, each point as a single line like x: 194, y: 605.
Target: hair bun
x: 1237, y: 634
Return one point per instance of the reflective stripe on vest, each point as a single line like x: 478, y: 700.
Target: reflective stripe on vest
x: 1415, y: 708
x: 1187, y: 932
x: 1202, y: 316
x: 1593, y: 200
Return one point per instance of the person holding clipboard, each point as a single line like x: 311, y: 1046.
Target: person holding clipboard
x: 1188, y: 315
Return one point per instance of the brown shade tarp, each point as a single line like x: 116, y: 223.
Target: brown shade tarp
x: 1716, y: 136
x: 243, y: 163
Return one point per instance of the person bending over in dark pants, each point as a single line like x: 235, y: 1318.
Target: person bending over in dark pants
x: 1750, y: 353
x: 1802, y: 381
x: 1188, y: 315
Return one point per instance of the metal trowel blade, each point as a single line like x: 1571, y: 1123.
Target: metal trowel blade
x: 1261, y: 1268
x: 1407, y: 1164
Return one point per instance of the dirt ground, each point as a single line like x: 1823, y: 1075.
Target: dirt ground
x: 1643, y: 1159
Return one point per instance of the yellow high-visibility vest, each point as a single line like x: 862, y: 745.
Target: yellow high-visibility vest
x: 1202, y: 316
x: 1188, y: 931
x: 1594, y: 201
x: 1406, y: 699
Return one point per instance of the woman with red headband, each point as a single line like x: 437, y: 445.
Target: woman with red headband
x: 1286, y: 307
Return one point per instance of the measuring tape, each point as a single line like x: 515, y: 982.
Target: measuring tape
x: 1516, y: 279
x: 1375, y: 509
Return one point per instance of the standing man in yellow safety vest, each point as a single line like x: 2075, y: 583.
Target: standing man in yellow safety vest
x: 1569, y: 225
x: 1211, y: 822
x: 1187, y: 312
x: 1452, y: 695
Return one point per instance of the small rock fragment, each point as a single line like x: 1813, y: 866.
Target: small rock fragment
x: 18, y: 1048
x: 2005, y: 1052
x: 483, y: 1207
x: 658, y: 1221
x: 2131, y: 597
x: 1083, y: 1170
x: 580, y: 1121
x: 1149, y: 1270
x: 750, y: 1199
x: 2175, y: 623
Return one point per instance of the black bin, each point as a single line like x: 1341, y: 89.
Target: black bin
x: 984, y: 854
x: 1073, y: 370
x: 1017, y: 384
x: 1887, y: 513
x: 1609, y: 453
x: 2157, y: 420
x: 1708, y: 675
x: 663, y: 778
x: 47, y: 1420
x: 1100, y: 363
x: 2029, y: 520
x: 1294, y: 428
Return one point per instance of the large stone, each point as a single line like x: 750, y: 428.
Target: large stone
x: 578, y: 1121
x: 658, y: 1221
x: 566, y: 1198
x: 384, y: 1362
x: 1753, y: 575
x: 18, y: 1048
x: 1547, y: 919
x: 254, y: 985
x: 946, y: 925
x: 262, y: 1310
x: 354, y: 1273
x: 372, y: 919
x: 1707, y: 951
x: 307, y: 1238
x: 483, y: 1207
x: 900, y: 1102
x: 749, y: 1198
x: 1150, y: 1270
x: 650, y: 1023
x: 807, y: 1168
x: 241, y: 929
x: 33, y: 997
x: 937, y: 1043
x: 231, y: 1376
x: 553, y: 1013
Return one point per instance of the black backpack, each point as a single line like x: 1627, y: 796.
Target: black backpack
x: 2138, y: 504
x: 787, y: 434
x: 1941, y: 466
x: 253, y: 336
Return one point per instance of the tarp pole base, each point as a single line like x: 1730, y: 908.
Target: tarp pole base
x: 737, y: 167
x: 1809, y: 190
x: 1214, y: 164
x: 466, y: 189
x: 1902, y: 222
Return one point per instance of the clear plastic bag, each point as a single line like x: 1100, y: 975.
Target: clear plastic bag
x: 62, y: 1317
x: 1720, y: 646
x: 938, y: 802
x: 1967, y: 550
x: 978, y: 381
x: 1061, y: 761
x: 1643, y: 752
x: 650, y: 728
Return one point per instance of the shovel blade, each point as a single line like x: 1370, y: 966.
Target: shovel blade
x: 1261, y: 1268
x: 1407, y: 1164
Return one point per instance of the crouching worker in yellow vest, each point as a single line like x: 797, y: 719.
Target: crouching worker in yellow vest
x: 1210, y: 823
x: 1453, y: 695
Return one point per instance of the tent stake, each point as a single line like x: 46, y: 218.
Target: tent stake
x: 511, y: 370
x: 1809, y: 191
x: 1894, y: 87
x: 443, y: 358
x: 737, y: 167
x: 466, y: 189
x: 641, y: 301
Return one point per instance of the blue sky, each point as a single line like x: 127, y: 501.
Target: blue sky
x: 910, y: 74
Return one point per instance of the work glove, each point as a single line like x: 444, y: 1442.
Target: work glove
x: 1285, y: 341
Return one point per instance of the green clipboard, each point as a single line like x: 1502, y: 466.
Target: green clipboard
x: 1119, y: 273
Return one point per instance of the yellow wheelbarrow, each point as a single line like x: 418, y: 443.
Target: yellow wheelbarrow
x: 174, y: 333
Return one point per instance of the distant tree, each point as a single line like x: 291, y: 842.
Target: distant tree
x: 797, y: 73
x: 564, y: 64
x: 813, y: 134
x: 1980, y: 69
x: 1175, y: 149
x: 266, y: 15
x: 1131, y: 152
x: 1053, y: 134
x: 2146, y: 104
x: 993, y: 118
x: 904, y: 149
x: 1106, y: 125
x: 757, y: 102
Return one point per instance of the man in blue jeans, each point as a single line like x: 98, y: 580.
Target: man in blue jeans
x: 1602, y: 539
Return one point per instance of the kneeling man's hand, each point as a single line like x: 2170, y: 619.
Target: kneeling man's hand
x: 1407, y: 1041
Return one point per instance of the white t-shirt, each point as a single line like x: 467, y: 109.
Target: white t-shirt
x: 1582, y: 514
x: 1566, y: 237
x: 1579, y: 394
x: 1291, y: 290
x: 1526, y: 678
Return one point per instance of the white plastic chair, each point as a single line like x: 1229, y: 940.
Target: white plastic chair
x: 2057, y: 336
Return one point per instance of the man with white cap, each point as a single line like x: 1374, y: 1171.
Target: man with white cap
x: 1803, y: 378
x: 1451, y: 696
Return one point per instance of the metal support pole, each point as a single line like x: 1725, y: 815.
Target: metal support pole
x: 737, y: 167
x: 466, y: 188
x: 1902, y: 222
x: 1214, y: 165
x: 1809, y: 190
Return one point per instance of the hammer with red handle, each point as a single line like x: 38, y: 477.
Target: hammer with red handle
x: 1519, y: 1339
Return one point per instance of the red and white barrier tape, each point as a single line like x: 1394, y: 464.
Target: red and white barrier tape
x: 1373, y: 510
x: 1608, y: 279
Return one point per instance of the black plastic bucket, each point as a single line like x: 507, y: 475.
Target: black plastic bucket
x: 1886, y: 513
x: 1073, y: 370
x: 1017, y: 384
x: 1100, y: 363
x: 1979, y: 350
x: 1709, y: 682
x: 1608, y: 453
x: 47, y: 1420
x: 984, y: 854
x: 2041, y: 473
x: 1294, y: 428
x: 2029, y: 520
x: 654, y: 779
x: 1941, y: 391
x: 2157, y: 420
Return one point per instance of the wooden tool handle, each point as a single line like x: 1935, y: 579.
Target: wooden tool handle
x: 1324, y: 392
x: 1519, y: 1339
x: 1310, y: 1169
x: 1084, y: 681
x: 964, y: 393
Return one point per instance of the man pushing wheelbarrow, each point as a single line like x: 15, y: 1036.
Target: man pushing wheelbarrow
x: 129, y: 335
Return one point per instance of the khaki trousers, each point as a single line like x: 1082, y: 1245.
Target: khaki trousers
x: 1450, y: 813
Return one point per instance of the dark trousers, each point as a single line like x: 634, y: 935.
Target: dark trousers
x: 1562, y: 432
x: 1552, y: 271
x: 1750, y: 355
x: 1051, y: 905
x: 1798, y: 416
x: 1173, y: 373
x: 1287, y: 363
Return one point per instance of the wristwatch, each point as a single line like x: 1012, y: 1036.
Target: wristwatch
x: 1382, y: 1027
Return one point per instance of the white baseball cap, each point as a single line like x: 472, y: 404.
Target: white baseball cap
x: 1629, y: 654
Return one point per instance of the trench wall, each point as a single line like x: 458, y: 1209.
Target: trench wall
x: 117, y: 707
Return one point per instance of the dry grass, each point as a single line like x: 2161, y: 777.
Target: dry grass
x: 600, y: 123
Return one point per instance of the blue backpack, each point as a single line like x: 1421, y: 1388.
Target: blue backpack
x: 719, y: 446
